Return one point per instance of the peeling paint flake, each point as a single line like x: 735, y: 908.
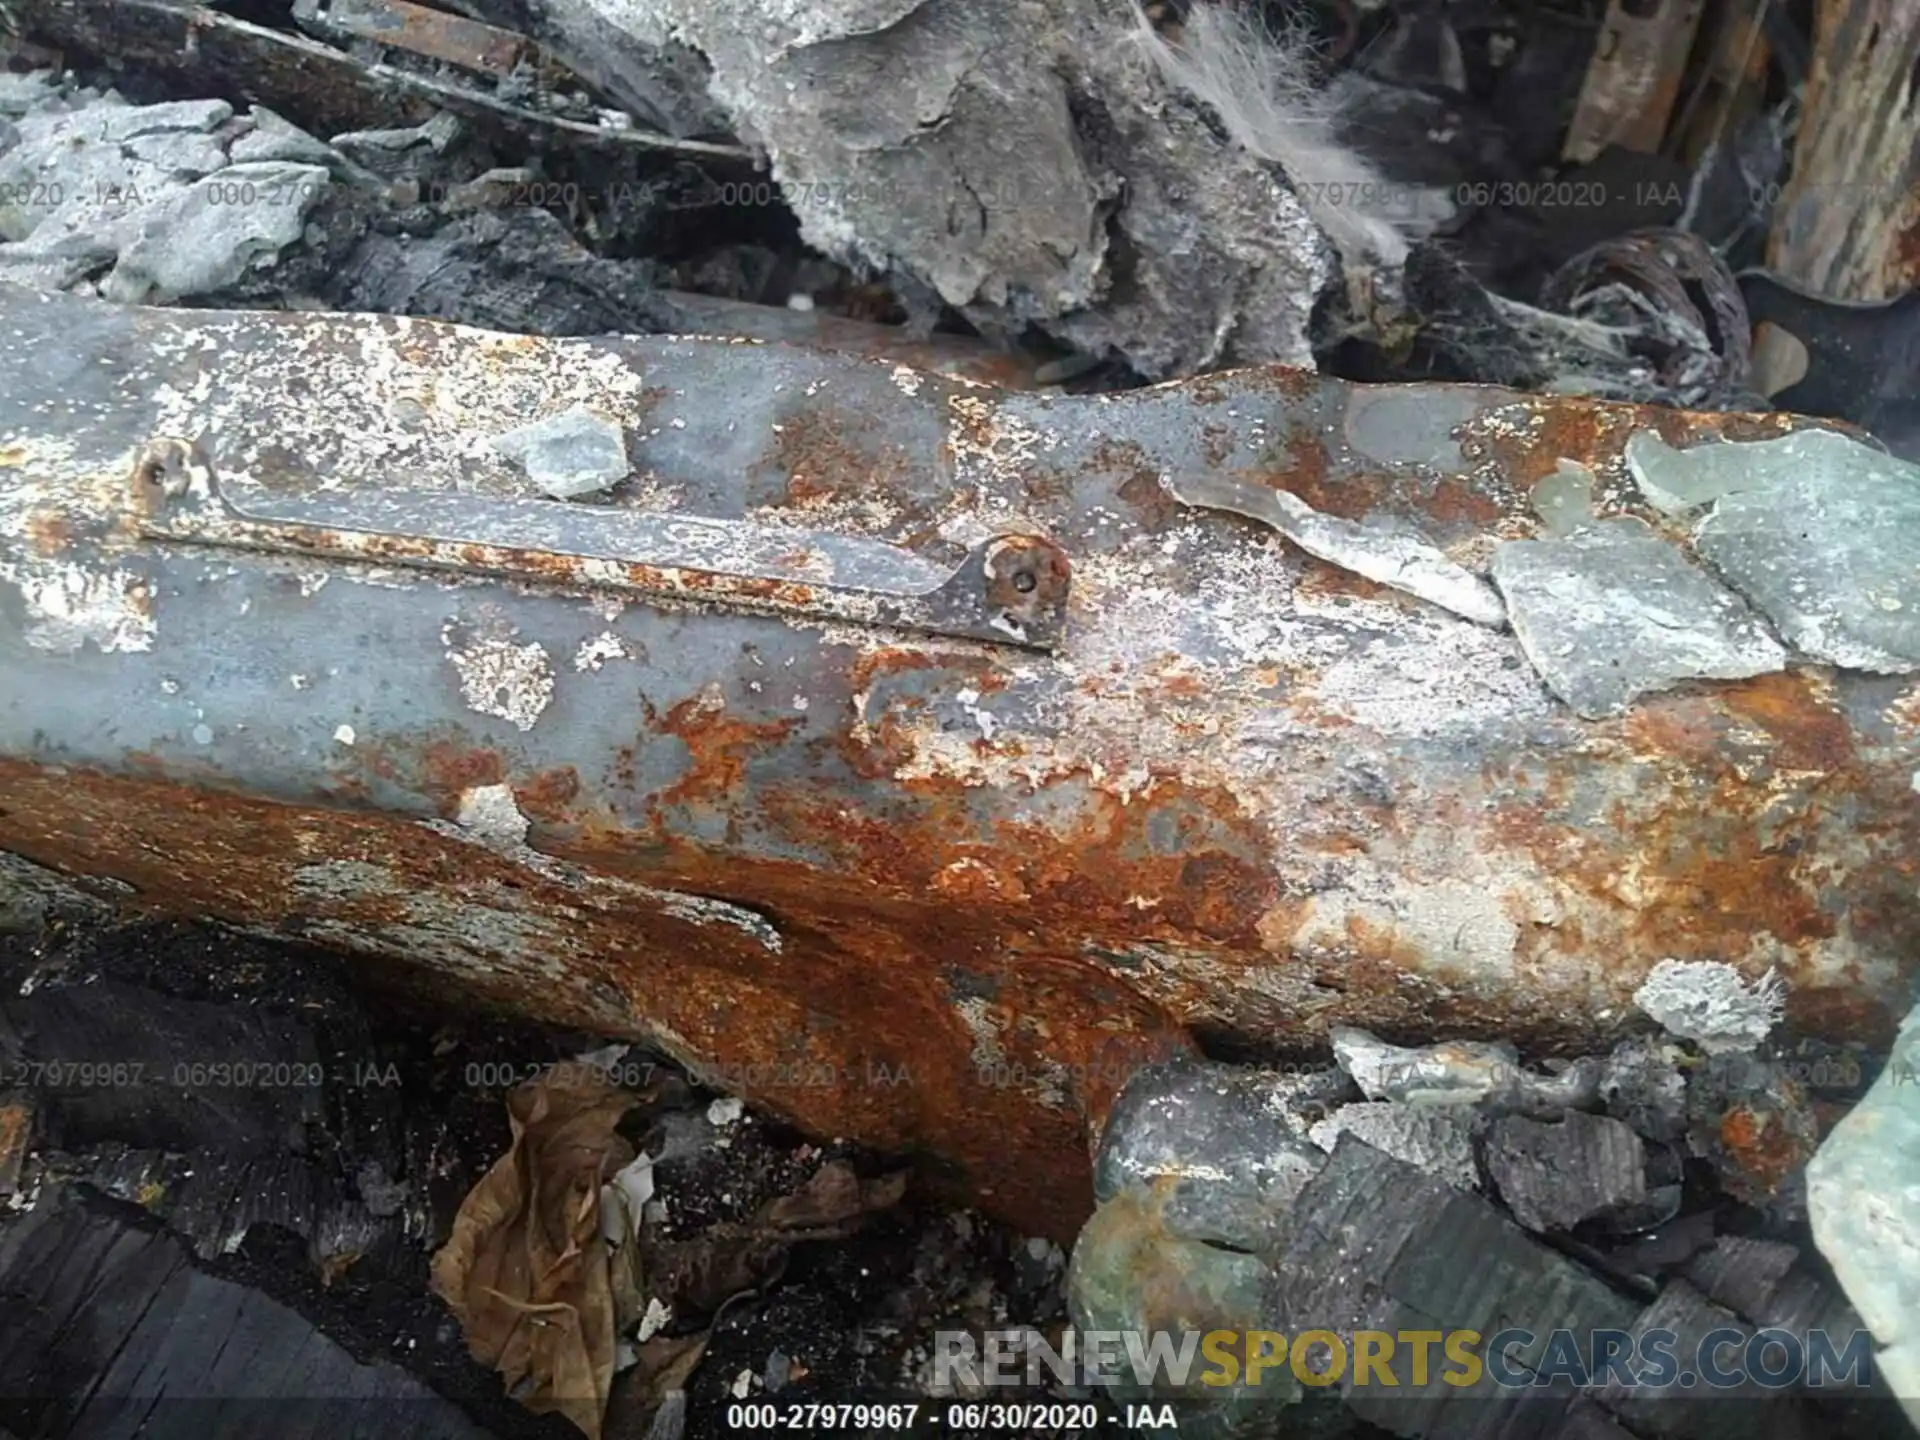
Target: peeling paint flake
x: 497, y: 676
x: 69, y: 604
x: 705, y: 910
x: 492, y: 815
x: 596, y: 652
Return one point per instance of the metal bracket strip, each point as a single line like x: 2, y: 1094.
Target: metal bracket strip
x: 1009, y: 590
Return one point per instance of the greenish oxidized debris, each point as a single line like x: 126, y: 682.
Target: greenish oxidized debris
x: 1564, y: 500
x: 1825, y: 543
x: 570, y: 454
x: 1680, y: 482
x: 1195, y: 1175
x: 1613, y: 612
x: 1818, y: 531
x: 1863, y: 1197
x: 1134, y: 1272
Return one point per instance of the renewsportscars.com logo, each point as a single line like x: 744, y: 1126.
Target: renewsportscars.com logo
x: 1194, y: 1362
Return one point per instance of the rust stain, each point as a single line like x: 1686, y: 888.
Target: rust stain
x: 853, y: 1027
x: 1768, y: 1151
x: 1676, y: 727
x: 16, y: 1127
x: 1716, y: 884
x: 1193, y: 854
x: 1568, y: 427
x: 441, y: 766
x: 1807, y: 733
x: 1292, y: 382
x: 1326, y: 580
x: 1141, y: 490
x: 1460, y: 505
x: 452, y: 38
x: 719, y: 745
x: 1309, y: 474
x: 820, y: 450
x: 888, y: 660
x: 550, y: 795
x: 1731, y: 855
x: 946, y: 355
x: 1528, y: 439
x: 50, y: 532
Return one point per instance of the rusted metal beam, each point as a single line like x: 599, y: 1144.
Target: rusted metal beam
x: 422, y: 30
x: 931, y: 892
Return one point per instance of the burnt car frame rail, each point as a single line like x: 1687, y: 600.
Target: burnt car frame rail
x: 933, y: 892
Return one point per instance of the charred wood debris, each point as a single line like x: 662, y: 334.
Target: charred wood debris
x: 1703, y: 204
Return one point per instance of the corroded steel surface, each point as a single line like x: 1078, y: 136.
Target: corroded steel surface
x: 928, y: 893
x: 1011, y: 590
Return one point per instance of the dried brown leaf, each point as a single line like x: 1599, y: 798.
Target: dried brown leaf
x: 525, y: 1270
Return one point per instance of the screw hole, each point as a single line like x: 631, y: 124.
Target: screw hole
x: 1024, y: 581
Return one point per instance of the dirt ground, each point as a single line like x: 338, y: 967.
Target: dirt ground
x: 849, y: 1320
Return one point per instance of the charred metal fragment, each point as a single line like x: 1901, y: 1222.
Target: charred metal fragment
x: 1615, y: 612
x: 927, y: 892
x: 1555, y: 1175
x: 95, y: 1336
x: 1405, y: 561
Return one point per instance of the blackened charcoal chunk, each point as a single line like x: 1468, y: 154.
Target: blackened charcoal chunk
x: 1555, y: 1175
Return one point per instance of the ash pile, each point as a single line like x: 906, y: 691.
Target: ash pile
x: 1658, y: 203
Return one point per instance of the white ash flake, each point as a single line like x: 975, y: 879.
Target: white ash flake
x: 907, y: 380
x: 654, y: 1321
x: 491, y: 814
x: 1710, y: 1004
x: 597, y: 651
x: 969, y: 701
x: 498, y: 677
